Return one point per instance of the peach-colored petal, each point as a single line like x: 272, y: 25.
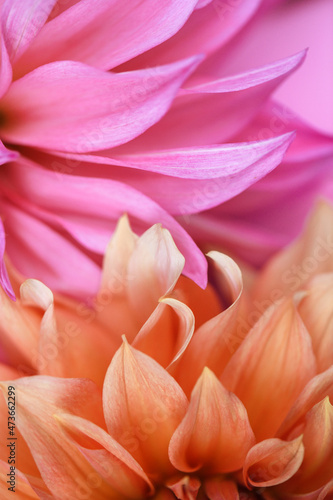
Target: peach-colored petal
x: 114, y: 464
x: 215, y: 434
x: 204, y: 303
x: 317, y: 389
x: 221, y: 489
x: 143, y: 405
x: 137, y: 273
x: 167, y: 332
x: 19, y: 332
x: 214, y: 342
x: 68, y: 338
x: 7, y: 372
x: 272, y: 462
x: 62, y: 467
x: 271, y: 367
x: 317, y: 467
x: 21, y: 488
x: 309, y: 255
x: 316, y: 311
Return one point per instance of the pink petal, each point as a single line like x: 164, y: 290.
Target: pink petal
x: 6, y: 73
x: 67, y: 270
x: 4, y: 279
x: 44, y: 108
x: 225, y: 106
x: 211, y: 25
x: 90, y: 221
x: 21, y: 22
x: 105, y: 34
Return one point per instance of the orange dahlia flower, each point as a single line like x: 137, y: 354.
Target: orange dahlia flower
x: 161, y: 390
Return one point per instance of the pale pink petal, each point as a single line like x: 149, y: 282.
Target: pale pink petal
x: 105, y: 34
x: 143, y: 405
x: 271, y: 367
x: 21, y: 22
x: 44, y: 108
x: 215, y: 434
x: 272, y: 462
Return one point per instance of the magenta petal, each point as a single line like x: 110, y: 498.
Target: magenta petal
x: 104, y: 34
x: 69, y: 106
x: 22, y: 21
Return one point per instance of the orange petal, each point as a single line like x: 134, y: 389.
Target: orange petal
x: 186, y: 488
x: 214, y: 342
x: 8, y: 373
x: 62, y: 467
x: 316, y: 390
x: 272, y: 462
x: 205, y: 304
x: 309, y: 255
x: 110, y: 460
x: 167, y: 332
x: 327, y: 492
x: 143, y: 405
x: 215, y: 434
x: 317, y: 466
x: 271, y: 367
x: 316, y: 311
x: 21, y: 488
x: 221, y: 489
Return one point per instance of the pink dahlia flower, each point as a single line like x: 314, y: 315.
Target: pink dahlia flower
x: 223, y: 393
x: 146, y: 108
